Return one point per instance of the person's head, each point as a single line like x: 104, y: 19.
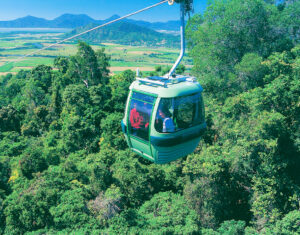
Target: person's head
x: 161, y: 114
x: 164, y: 112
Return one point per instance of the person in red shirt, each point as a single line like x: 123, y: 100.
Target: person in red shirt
x: 135, y: 118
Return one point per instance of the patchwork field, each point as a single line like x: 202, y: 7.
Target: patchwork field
x: 15, y: 45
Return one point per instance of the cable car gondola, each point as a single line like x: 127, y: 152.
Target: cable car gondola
x: 164, y: 117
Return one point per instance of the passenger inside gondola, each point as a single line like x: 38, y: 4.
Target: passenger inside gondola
x: 135, y: 119
x: 139, y: 118
x: 167, y: 121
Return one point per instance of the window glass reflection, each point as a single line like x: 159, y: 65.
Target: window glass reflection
x: 179, y: 113
x: 139, y: 118
x: 164, y: 118
x: 143, y: 97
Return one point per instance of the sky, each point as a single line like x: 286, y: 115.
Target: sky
x: 97, y: 9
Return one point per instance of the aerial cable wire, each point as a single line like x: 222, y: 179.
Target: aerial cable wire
x: 87, y: 31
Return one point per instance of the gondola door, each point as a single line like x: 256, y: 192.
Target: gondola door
x: 139, y: 119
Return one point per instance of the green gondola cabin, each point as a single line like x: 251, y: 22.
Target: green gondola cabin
x: 164, y: 117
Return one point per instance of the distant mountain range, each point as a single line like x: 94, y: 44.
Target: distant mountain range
x: 74, y: 21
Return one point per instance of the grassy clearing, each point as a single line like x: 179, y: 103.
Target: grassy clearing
x: 6, y: 67
x: 17, y: 69
x: 34, y: 61
x: 9, y: 44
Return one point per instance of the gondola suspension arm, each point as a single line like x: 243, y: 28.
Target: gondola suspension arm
x: 182, y: 44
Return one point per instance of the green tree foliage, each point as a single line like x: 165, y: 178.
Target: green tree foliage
x: 4, y: 177
x: 290, y: 20
x: 42, y: 76
x: 132, y: 178
x: 229, y: 31
x: 29, y: 207
x: 180, y: 69
x: 119, y: 85
x: 77, y: 124
x: 163, y: 70
x: 11, y: 86
x: 167, y: 212
x: 289, y: 224
x: 250, y: 72
x: 28, y: 210
x: 12, y: 144
x: 126, y: 222
x: 32, y: 161
x: 100, y: 102
x: 211, y: 178
x: 112, y: 135
x: 2, y: 217
x: 62, y: 63
x: 9, y: 119
x: 88, y: 66
x: 71, y: 211
x: 95, y: 172
x: 232, y: 227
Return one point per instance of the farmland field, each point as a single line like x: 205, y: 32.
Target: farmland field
x: 17, y: 44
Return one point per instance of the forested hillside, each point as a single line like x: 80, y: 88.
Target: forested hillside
x: 126, y: 33
x: 65, y: 167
